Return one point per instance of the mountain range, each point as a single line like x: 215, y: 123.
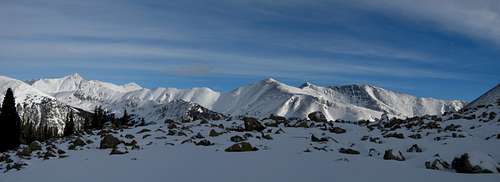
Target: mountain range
x: 260, y: 99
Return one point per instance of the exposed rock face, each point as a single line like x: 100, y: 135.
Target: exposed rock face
x: 317, y: 116
x: 389, y: 155
x: 109, y: 141
x: 252, y: 124
x: 241, y: 147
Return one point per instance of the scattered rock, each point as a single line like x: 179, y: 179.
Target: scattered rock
x: 241, y: 147
x: 252, y: 124
x: 78, y: 142
x: 414, y: 148
x: 316, y: 139
x: 416, y: 136
x: 35, y: 145
x: 109, y: 141
x: 474, y: 163
x: 198, y: 136
x: 116, y: 151
x: 337, y: 130
x: 17, y: 166
x: 317, y: 116
x: 204, y: 143
x: 267, y: 137
x: 133, y: 144
x: 437, y: 164
x: 129, y: 136
x: 394, y: 135
x: 214, y: 133
x: 60, y: 152
x: 144, y: 131
x: 349, y: 151
x: 25, y: 152
x: 389, y: 155
x: 373, y: 152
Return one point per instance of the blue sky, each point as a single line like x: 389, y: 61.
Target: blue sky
x: 443, y: 49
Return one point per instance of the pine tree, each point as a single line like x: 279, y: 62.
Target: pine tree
x: 125, y: 120
x: 10, y: 123
x: 69, y: 127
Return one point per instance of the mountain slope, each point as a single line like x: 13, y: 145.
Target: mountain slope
x: 37, y: 108
x: 350, y: 102
x: 490, y: 97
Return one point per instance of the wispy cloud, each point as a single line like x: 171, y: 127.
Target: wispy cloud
x: 339, y: 41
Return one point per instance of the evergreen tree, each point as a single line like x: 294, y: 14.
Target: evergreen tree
x: 125, y: 119
x: 10, y: 123
x: 69, y: 127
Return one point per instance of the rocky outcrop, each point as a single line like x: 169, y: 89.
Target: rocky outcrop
x: 317, y: 116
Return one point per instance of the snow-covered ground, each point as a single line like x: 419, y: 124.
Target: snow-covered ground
x: 290, y: 155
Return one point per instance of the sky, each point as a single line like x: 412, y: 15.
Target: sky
x: 448, y: 49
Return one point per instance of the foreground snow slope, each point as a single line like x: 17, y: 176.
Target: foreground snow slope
x: 351, y: 102
x: 289, y: 156
x: 288, y: 150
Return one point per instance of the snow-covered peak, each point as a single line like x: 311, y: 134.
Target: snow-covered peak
x: 132, y: 86
x: 54, y: 85
x: 22, y: 91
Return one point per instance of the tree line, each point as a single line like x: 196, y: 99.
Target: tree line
x: 14, y: 132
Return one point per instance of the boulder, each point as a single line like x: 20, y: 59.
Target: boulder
x: 109, y: 141
x: 267, y: 137
x: 414, y: 148
x: 349, y: 151
x: 116, y: 151
x: 25, y: 152
x: 389, y: 155
x: 35, y: 145
x: 204, y: 143
x: 129, y: 136
x: 474, y: 163
x: 78, y: 142
x: 437, y: 164
x: 241, y: 147
x: 317, y: 116
x: 144, y: 131
x: 394, y: 135
x: 337, y: 130
x: 252, y: 124
x: 214, y: 133
x: 316, y: 139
